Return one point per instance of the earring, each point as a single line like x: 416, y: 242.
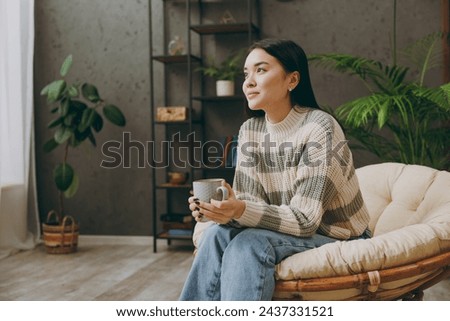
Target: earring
x: 290, y: 89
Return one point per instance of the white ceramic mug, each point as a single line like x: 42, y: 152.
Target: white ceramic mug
x: 209, y: 188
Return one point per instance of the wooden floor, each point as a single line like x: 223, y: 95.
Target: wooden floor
x: 97, y: 272
x: 124, y: 272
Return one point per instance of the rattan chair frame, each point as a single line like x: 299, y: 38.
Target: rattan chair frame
x: 437, y: 268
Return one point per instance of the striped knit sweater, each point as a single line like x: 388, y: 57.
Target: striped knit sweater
x: 297, y: 177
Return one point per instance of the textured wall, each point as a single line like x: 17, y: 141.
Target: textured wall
x: 354, y: 27
x: 109, y: 41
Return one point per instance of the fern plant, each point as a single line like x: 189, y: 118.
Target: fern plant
x: 415, y: 118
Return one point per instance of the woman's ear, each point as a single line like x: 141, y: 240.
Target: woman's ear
x: 294, y: 79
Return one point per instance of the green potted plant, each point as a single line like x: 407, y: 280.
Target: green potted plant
x: 77, y: 118
x: 224, y: 73
x: 401, y: 119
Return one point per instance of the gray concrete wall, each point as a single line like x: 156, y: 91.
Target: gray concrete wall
x: 109, y: 40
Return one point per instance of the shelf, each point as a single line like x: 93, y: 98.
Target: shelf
x: 219, y: 98
x: 182, y: 122
x: 216, y: 168
x: 177, y: 59
x: 174, y: 123
x: 166, y: 235
x: 214, y: 29
x: 176, y: 218
x: 168, y: 185
x: 178, y: 226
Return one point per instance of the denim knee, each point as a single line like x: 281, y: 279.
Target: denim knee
x: 217, y: 234
x: 251, y: 243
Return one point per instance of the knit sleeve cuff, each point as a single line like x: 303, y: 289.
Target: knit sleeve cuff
x: 252, y: 214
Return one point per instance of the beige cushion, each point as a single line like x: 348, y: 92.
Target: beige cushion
x: 409, y: 206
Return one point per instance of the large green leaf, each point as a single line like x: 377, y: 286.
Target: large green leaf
x: 383, y: 115
x: 79, y: 137
x: 65, y: 67
x: 63, y: 176
x: 92, y: 139
x: 90, y: 92
x: 87, y: 119
x: 73, y: 188
x: 426, y: 53
x: 62, y: 134
x: 64, y: 107
x: 72, y: 91
x: 353, y: 65
x: 50, y: 145
x: 78, y: 105
x: 98, y: 122
x: 114, y: 115
x: 55, y: 122
x: 44, y: 90
x: 69, y: 120
x: 359, y: 112
x: 74, y: 141
x: 55, y: 89
x: 77, y: 108
x: 439, y: 96
x: 387, y: 79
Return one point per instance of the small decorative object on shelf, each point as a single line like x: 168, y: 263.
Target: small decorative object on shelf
x: 171, y: 113
x: 224, y: 73
x: 224, y: 88
x: 176, y: 46
x: 177, y: 178
x: 227, y: 17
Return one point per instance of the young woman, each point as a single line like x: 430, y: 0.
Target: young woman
x: 294, y: 189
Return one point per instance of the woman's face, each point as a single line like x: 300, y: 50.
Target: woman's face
x: 266, y: 85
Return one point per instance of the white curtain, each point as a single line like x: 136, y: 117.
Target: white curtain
x: 19, y: 227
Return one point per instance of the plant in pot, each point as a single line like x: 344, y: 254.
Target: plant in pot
x: 401, y: 119
x: 224, y: 73
x: 76, y: 109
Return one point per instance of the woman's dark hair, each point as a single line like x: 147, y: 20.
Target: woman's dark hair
x: 292, y: 58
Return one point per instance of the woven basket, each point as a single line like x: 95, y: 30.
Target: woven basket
x: 60, y: 238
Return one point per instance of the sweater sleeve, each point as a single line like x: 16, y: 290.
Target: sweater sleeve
x: 318, y: 174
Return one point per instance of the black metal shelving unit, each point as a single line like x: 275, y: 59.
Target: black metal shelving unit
x: 187, y: 61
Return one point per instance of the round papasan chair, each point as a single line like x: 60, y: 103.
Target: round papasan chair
x: 409, y: 207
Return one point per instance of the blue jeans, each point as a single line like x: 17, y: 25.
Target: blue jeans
x: 239, y: 264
